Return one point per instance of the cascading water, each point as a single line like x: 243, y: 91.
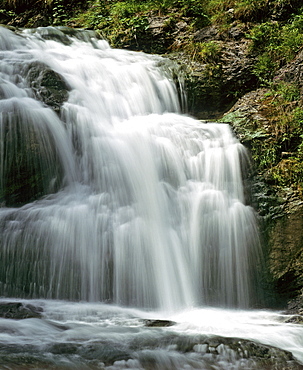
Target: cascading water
x: 115, y: 197
x: 151, y: 211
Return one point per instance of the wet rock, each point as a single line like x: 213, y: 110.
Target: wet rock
x: 158, y: 323
x: 214, y: 86
x: 53, y: 33
x: 286, y: 257
x: 106, y: 352
x: 247, y: 119
x: 150, y: 352
x: 47, y: 85
x: 31, y: 166
x: 29, y: 170
x: 294, y: 319
x: 258, y: 356
x: 214, y: 350
x: 64, y: 348
x: 22, y: 361
x: 295, y: 307
x: 19, y: 311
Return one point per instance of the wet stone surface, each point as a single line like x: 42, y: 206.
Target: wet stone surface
x: 158, y: 323
x: 19, y: 311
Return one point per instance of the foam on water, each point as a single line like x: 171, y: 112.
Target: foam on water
x: 69, y: 331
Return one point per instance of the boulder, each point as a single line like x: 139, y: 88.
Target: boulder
x: 19, y: 310
x: 158, y: 323
x: 47, y: 85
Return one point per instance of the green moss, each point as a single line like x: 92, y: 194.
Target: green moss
x: 274, y: 135
x: 276, y: 44
x: 247, y: 130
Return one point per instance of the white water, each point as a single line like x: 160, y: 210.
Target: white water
x: 151, y: 210
x: 97, y: 336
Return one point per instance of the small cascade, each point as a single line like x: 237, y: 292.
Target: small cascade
x: 115, y: 196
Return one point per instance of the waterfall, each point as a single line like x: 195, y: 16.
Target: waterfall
x: 116, y: 196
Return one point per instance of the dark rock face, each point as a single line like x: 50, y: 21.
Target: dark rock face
x: 31, y: 168
x: 19, y: 311
x: 47, y: 85
x: 286, y: 254
x: 295, y: 308
x: 208, y: 33
x: 293, y: 72
x: 159, y: 37
x: 280, y: 208
x: 215, y: 85
x: 158, y: 323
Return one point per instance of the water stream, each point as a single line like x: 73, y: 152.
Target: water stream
x: 126, y: 206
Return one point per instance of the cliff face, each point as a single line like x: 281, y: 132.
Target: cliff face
x: 269, y: 121
x: 247, y: 72
x: 277, y: 194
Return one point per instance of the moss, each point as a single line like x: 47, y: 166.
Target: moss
x: 272, y: 129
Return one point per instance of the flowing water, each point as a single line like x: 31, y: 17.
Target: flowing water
x: 129, y: 203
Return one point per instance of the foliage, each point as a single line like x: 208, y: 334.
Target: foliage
x: 59, y: 13
x: 210, y: 52
x: 117, y: 20
x: 265, y: 68
x: 280, y: 154
x: 248, y: 10
x: 17, y: 3
x: 224, y: 12
x: 205, y: 52
x: 9, y: 13
x: 125, y: 19
x: 288, y: 92
x: 276, y: 45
